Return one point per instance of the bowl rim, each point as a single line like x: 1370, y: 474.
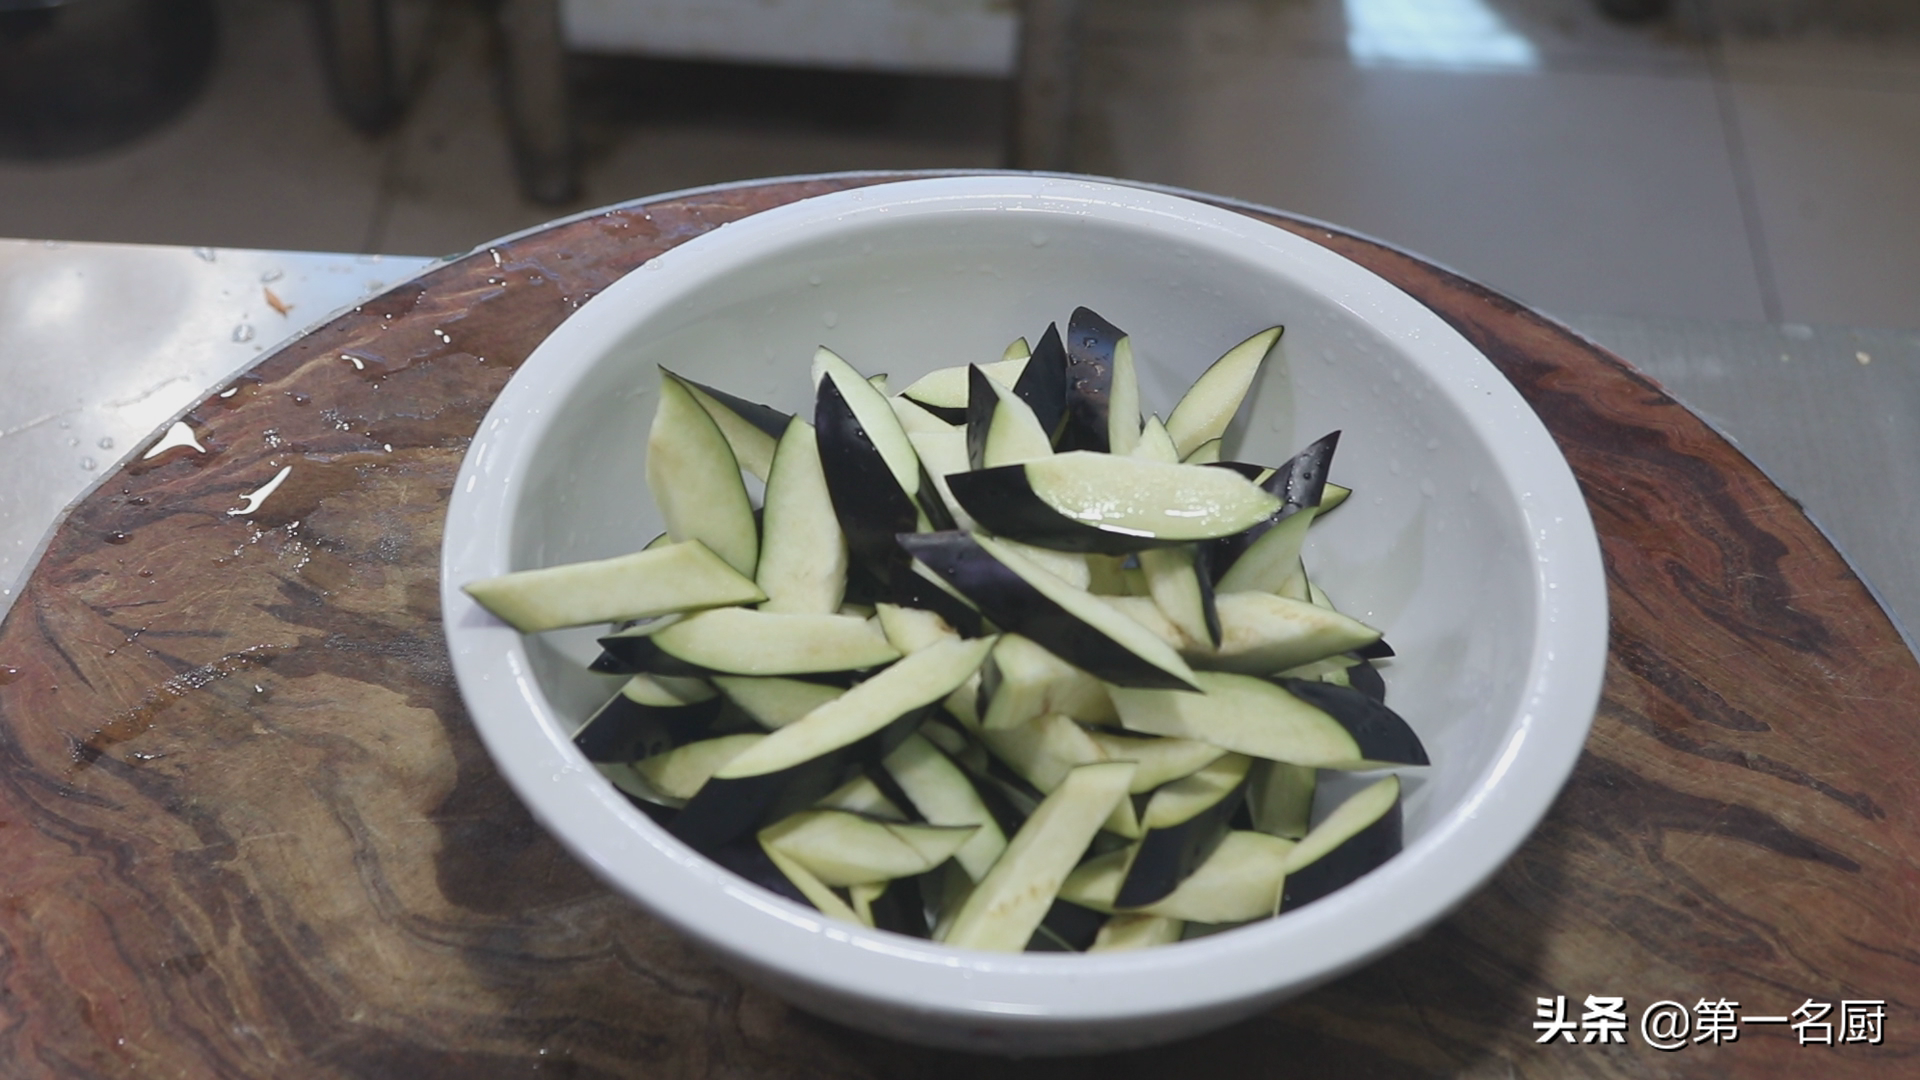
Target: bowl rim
x: 798, y: 945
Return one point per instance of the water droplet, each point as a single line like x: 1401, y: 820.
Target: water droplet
x: 206, y: 254
x: 1863, y: 358
x: 1797, y: 331
x: 1393, y: 466
x: 1037, y: 239
x: 87, y: 463
x: 73, y: 442
x: 8, y: 673
x: 831, y: 318
x: 106, y: 442
x: 146, y: 573
x: 270, y: 275
x: 118, y: 538
x: 243, y: 332
x: 1426, y: 488
x: 814, y: 279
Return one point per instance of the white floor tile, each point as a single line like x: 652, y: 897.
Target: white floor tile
x: 1836, y: 176
x: 1572, y: 190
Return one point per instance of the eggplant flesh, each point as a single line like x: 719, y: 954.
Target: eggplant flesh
x: 1019, y: 606
x: 1361, y: 854
x: 1382, y: 734
x: 1170, y: 851
x: 1299, y: 483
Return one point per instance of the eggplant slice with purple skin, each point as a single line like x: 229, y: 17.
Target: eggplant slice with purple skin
x: 1383, y: 734
x: 1358, y: 837
x: 625, y: 730
x: 1090, y: 343
x: 867, y: 498
x: 1110, y: 505
x: 1043, y: 384
x: 1096, y: 638
x: 1299, y: 483
x: 1184, y: 821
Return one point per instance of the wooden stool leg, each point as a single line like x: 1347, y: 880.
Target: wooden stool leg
x: 1041, y: 132
x: 537, y: 100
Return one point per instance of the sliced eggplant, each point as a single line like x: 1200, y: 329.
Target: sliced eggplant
x: 1213, y: 400
x: 816, y: 892
x: 1043, y: 383
x: 741, y: 641
x: 1007, y: 906
x: 685, y: 576
x: 664, y: 692
x: 1182, y: 588
x: 861, y: 795
x: 1280, y: 798
x: 1021, y: 680
x: 910, y: 629
x: 1122, y: 932
x: 749, y: 860
x: 751, y: 429
x: 1161, y: 760
x: 1123, y: 401
x: 917, y: 420
x: 1382, y: 734
x: 1253, y: 716
x: 1261, y: 558
x: 842, y: 848
x: 1332, y: 497
x: 1075, y: 625
x: 681, y: 772
x: 941, y: 792
x: 803, y: 554
x: 1155, y: 444
x: 868, y: 498
x: 1184, y: 822
x: 948, y: 387
x: 695, y: 480
x: 1111, y: 505
x: 1045, y: 750
x: 1066, y: 928
x: 1090, y: 343
x: 1361, y: 834
x: 875, y: 418
x: 915, y: 682
x: 1001, y: 428
x: 625, y: 729
x: 1364, y: 677
x: 1241, y: 880
x: 775, y: 702
x: 1207, y: 453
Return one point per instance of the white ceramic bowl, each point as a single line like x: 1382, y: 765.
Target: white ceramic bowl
x: 1467, y: 541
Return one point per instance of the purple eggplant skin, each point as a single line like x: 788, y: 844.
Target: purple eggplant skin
x: 747, y: 859
x: 945, y: 412
x: 1168, y: 855
x: 639, y: 655
x: 981, y: 403
x: 725, y: 810
x: 1017, y: 607
x: 1209, y: 605
x: 765, y: 417
x: 1364, y: 852
x: 1365, y: 678
x: 909, y: 589
x: 1066, y: 928
x: 866, y: 498
x: 1089, y: 390
x: 624, y: 730
x: 1380, y: 732
x: 1043, y: 383
x: 902, y: 909
x: 1376, y: 650
x: 1299, y: 482
x: 1002, y: 501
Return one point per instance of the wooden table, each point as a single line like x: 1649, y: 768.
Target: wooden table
x: 247, y: 830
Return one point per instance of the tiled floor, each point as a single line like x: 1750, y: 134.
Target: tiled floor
x: 1738, y: 160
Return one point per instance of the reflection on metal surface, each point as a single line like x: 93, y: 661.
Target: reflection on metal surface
x: 1435, y: 34
x: 102, y: 344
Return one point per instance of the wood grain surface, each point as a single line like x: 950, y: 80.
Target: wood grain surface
x: 246, y: 829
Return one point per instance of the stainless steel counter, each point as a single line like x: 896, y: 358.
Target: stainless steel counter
x: 102, y: 344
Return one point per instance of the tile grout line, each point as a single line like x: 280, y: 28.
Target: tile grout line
x: 1743, y: 184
